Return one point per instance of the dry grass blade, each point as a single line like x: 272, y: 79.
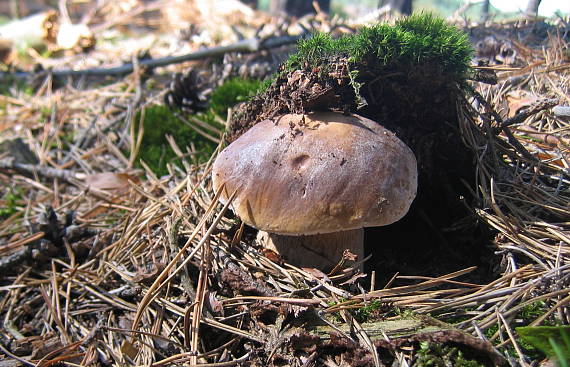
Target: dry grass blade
x: 416, y: 287
x: 160, y: 281
x: 200, y: 296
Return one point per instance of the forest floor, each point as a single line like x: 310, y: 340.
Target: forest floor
x: 108, y: 258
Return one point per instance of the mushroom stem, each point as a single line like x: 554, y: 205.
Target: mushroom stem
x: 321, y: 251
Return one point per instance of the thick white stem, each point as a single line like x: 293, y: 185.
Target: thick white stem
x: 322, y: 251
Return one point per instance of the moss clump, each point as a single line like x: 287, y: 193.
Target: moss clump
x: 231, y: 92
x: 155, y: 151
x: 532, y: 311
x: 421, y: 39
x: 381, y: 72
x: 317, y: 51
x: 369, y: 311
x: 437, y: 355
x: 411, y: 77
x: 160, y: 121
x: 10, y: 202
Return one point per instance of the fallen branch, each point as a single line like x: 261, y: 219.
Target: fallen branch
x: 544, y: 137
x: 48, y: 172
x: 248, y: 45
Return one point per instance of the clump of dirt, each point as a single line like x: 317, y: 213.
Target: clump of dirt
x: 297, y: 91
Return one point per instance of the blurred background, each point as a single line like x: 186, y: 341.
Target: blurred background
x: 474, y: 9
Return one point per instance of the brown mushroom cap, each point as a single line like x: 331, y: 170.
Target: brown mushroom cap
x: 317, y: 173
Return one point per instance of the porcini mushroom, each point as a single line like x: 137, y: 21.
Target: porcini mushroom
x: 313, y: 181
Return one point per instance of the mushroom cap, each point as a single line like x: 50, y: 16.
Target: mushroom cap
x: 317, y: 173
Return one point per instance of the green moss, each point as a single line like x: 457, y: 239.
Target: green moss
x: 437, y: 355
x: 265, y: 84
x: 421, y: 39
x: 158, y: 122
x: 9, y: 202
x: 378, y: 72
x: 233, y: 91
x: 317, y: 51
x: 528, y: 345
x: 11, y: 85
x: 491, y: 331
x: 434, y: 39
x: 366, y: 313
x: 531, y: 312
x: 417, y: 39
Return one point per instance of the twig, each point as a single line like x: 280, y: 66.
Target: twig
x: 487, y: 105
x: 519, y: 147
x: 145, y: 7
x: 13, y: 356
x: 48, y: 172
x: 15, y: 259
x: 503, y: 125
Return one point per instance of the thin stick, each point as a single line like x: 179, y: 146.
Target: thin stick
x: 247, y: 45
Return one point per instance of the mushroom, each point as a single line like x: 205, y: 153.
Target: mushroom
x: 313, y: 181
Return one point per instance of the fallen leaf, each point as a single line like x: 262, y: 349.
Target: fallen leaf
x: 129, y: 349
x: 272, y: 255
x: 517, y: 101
x: 148, y: 277
x: 110, y: 181
x: 316, y: 273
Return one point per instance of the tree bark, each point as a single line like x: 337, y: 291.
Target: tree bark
x: 403, y: 7
x: 252, y: 3
x: 296, y: 8
x: 532, y: 8
x: 485, y: 10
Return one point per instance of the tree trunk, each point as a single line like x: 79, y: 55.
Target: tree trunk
x: 485, y: 10
x: 252, y: 3
x: 296, y: 8
x: 532, y: 8
x: 403, y: 7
